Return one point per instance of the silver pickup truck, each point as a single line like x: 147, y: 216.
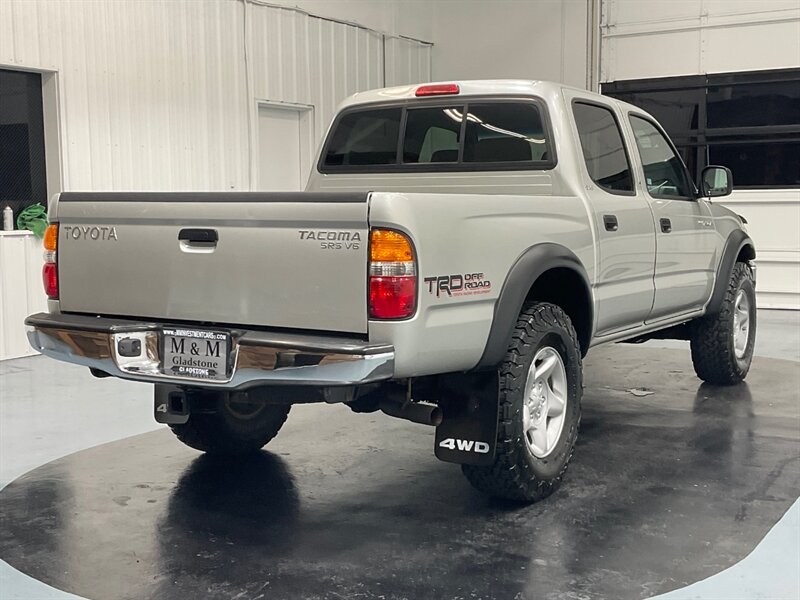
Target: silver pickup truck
x: 459, y: 248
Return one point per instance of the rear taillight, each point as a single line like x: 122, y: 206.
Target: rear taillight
x: 50, y: 270
x: 392, y: 275
x: 50, y: 278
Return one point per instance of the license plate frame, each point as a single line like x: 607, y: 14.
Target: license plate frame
x: 181, y: 342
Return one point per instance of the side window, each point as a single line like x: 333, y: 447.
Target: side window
x: 504, y: 132
x: 603, y: 148
x: 664, y: 173
x: 432, y: 135
x: 365, y: 138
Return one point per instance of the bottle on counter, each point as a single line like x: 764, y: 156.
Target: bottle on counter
x: 8, y: 219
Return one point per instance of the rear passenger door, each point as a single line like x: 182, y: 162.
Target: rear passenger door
x: 685, y: 235
x: 622, y: 218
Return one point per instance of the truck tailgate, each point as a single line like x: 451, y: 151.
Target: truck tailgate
x: 293, y: 260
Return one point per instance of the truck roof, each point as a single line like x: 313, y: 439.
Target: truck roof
x: 479, y: 87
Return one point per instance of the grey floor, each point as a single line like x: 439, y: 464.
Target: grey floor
x: 63, y: 419
x: 772, y: 570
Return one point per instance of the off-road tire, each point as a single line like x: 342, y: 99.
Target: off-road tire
x: 712, y: 337
x: 224, y: 432
x: 516, y: 473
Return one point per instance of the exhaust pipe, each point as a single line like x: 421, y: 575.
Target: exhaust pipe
x: 425, y: 414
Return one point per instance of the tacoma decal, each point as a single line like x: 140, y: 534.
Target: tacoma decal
x: 333, y: 240
x: 466, y: 284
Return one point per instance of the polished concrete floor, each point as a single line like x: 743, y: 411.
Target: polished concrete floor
x: 666, y: 489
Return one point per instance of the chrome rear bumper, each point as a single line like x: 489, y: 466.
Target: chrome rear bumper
x: 256, y: 357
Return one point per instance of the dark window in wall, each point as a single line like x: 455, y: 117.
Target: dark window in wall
x: 676, y: 110
x: 741, y: 103
x: 757, y: 162
x: 23, y: 179
x: 748, y: 122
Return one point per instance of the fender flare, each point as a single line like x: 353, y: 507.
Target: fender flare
x: 736, y: 241
x: 530, y: 265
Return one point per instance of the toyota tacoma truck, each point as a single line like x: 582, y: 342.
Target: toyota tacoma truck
x: 458, y: 250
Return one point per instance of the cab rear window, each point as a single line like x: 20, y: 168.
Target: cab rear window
x: 432, y: 135
x: 504, y: 133
x: 365, y: 138
x: 468, y: 136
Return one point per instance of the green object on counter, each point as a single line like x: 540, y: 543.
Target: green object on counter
x: 33, y: 218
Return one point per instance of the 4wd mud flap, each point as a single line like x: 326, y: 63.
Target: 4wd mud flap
x: 468, y: 432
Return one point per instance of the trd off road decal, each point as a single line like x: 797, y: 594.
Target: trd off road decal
x: 467, y: 284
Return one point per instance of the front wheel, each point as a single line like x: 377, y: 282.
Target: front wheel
x: 539, y: 403
x: 722, y: 344
x: 234, y: 425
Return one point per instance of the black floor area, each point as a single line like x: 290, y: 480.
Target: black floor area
x: 665, y: 488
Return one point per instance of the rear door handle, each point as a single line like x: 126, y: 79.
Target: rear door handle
x: 198, y: 236
x: 666, y: 225
x: 611, y: 223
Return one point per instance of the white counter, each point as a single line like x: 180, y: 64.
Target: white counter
x: 21, y: 290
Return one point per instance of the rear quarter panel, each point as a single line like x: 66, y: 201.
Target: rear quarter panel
x: 476, y: 237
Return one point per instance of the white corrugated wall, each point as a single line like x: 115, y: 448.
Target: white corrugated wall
x: 161, y: 95
x: 21, y: 291
x: 407, y: 61
x: 661, y: 39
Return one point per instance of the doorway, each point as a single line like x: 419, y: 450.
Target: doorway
x: 23, y: 178
x: 285, y: 138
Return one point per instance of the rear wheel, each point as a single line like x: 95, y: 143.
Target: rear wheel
x: 540, y: 393
x: 235, y: 424
x: 722, y: 344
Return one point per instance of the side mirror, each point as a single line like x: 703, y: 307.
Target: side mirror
x: 716, y: 181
